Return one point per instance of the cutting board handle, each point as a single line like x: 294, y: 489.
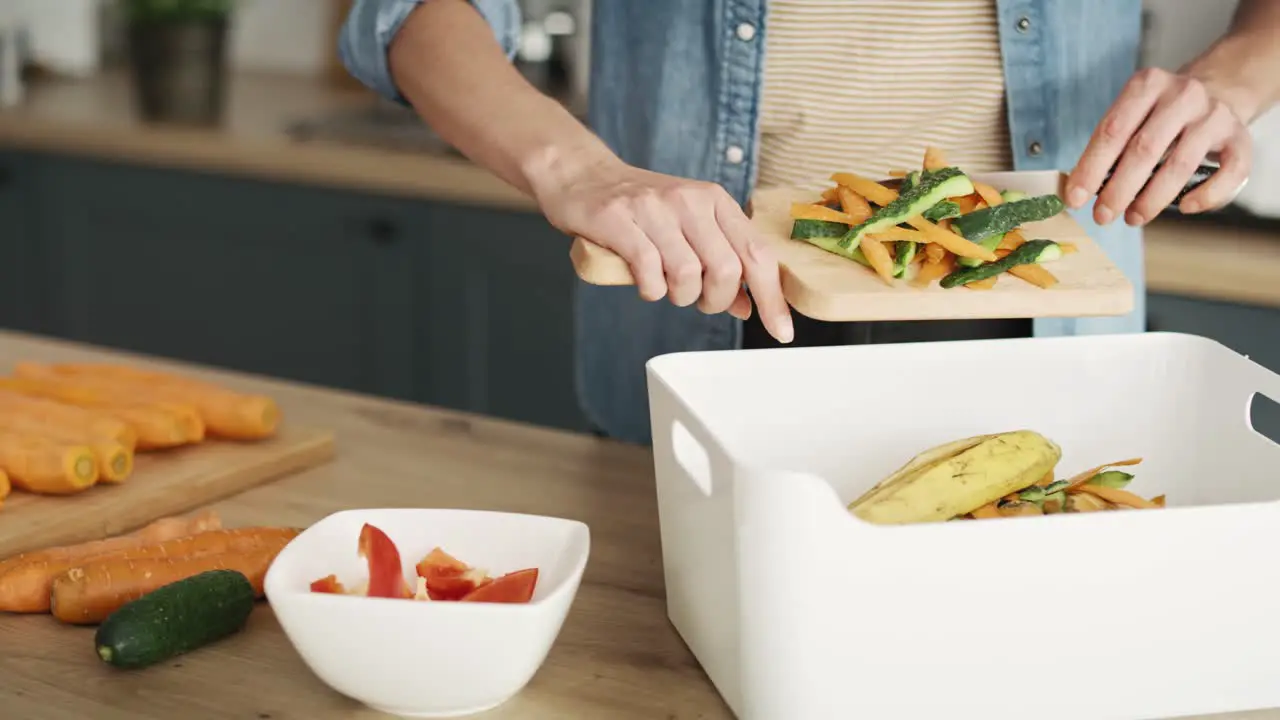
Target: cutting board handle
x: 599, y: 266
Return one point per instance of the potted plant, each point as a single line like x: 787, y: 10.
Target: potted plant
x: 178, y: 51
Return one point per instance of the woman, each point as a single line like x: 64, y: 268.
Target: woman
x: 693, y: 103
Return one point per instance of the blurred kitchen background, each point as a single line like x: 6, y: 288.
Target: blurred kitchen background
x: 234, y: 198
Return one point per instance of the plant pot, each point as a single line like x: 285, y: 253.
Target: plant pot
x: 179, y: 69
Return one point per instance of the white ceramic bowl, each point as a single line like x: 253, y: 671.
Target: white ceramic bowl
x: 428, y: 659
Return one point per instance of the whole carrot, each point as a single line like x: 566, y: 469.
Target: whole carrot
x: 226, y: 413
x: 25, y: 579
x: 97, y: 425
x: 39, y: 465
x: 157, y: 424
x: 115, y: 461
x: 87, y: 595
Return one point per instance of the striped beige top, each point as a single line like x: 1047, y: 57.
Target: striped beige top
x: 864, y: 85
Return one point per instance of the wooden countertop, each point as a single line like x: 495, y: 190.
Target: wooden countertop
x: 617, y: 656
x: 96, y: 118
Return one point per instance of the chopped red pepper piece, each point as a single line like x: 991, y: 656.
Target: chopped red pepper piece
x: 386, y: 578
x: 448, y: 578
x: 515, y: 587
x: 442, y: 564
x: 328, y: 584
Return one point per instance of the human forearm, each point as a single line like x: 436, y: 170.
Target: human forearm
x: 446, y: 62
x: 1243, y: 67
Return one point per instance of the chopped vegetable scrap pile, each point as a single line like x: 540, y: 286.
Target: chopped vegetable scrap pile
x: 1007, y: 474
x: 439, y: 576
x: 167, y: 588
x: 939, y: 225
x: 66, y: 427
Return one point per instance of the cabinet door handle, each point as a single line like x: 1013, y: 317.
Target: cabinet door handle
x: 382, y: 231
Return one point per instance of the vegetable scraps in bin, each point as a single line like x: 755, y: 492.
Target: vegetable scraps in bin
x: 439, y: 576
x: 940, y: 225
x: 1008, y: 474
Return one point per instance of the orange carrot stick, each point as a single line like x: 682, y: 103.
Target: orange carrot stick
x: 226, y: 413
x: 811, y: 211
x: 878, y: 256
x: 25, y: 579
x: 89, y: 594
x: 1116, y: 496
x: 1034, y: 274
x: 931, y: 271
x: 934, y: 158
x: 1087, y: 475
x: 990, y: 195
x: 853, y: 204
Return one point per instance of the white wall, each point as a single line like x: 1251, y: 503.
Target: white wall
x: 272, y: 35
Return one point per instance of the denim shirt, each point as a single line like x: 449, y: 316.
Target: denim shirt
x: 675, y: 88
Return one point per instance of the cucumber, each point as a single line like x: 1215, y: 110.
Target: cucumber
x: 984, y: 223
x: 1113, y: 479
x: 1026, y: 254
x: 805, y: 229
x: 904, y: 251
x: 909, y: 181
x: 942, y: 211
x: 932, y: 188
x: 1012, y: 195
x: 989, y: 243
x: 832, y: 245
x: 175, y: 619
x: 1056, y: 486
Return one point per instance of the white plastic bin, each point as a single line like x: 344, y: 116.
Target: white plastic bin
x: 799, y: 611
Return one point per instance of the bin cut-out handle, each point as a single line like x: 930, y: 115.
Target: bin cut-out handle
x: 1263, y: 415
x: 691, y: 456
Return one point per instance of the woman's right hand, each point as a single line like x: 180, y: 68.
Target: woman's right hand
x: 686, y: 240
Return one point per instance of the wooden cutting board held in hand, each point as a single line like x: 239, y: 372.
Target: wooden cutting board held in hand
x: 828, y: 287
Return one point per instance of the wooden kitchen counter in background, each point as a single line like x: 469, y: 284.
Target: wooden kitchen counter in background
x: 95, y: 118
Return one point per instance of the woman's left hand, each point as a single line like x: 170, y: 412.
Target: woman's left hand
x: 1160, y: 113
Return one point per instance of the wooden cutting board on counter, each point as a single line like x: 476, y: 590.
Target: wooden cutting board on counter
x: 170, y: 482
x: 828, y: 287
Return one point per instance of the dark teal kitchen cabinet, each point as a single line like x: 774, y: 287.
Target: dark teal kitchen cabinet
x: 461, y: 307
x: 270, y: 279
x: 498, y: 291
x: 21, y: 295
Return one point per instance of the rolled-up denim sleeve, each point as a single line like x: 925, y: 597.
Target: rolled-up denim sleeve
x: 372, y: 24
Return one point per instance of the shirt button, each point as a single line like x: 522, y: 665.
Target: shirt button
x: 1024, y: 24
x: 735, y: 154
x: 1035, y: 148
x: 746, y: 32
